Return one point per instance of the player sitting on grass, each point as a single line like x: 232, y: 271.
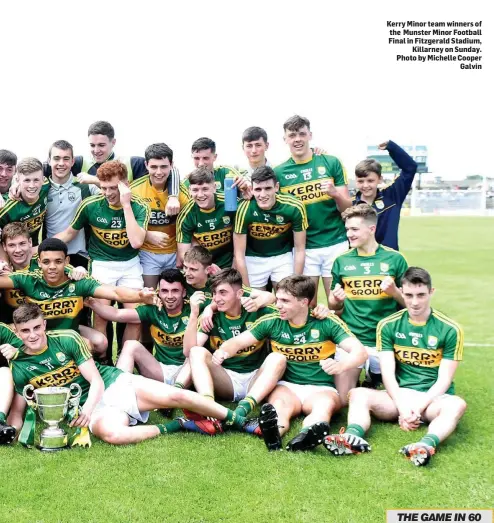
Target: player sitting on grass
x: 309, y: 345
x: 168, y: 324
x: 112, y: 400
x: 247, y: 377
x: 365, y: 288
x: 420, y: 349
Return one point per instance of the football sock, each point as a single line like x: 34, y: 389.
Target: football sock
x: 235, y: 419
x: 356, y: 430
x: 430, y: 439
x: 248, y: 404
x: 168, y: 428
x: 179, y: 385
x: 3, y: 417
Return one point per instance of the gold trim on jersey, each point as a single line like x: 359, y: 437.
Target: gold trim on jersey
x: 308, y: 192
x: 165, y: 339
x: 315, y: 351
x: 68, y: 307
x: 460, y: 336
x: 215, y: 343
x: 396, y: 316
x: 112, y: 237
x: 214, y: 239
x: 57, y: 377
x: 418, y: 357
x: 364, y: 287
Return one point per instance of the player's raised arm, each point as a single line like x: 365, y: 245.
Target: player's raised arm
x: 68, y: 235
x: 135, y: 232
x: 109, y: 313
x: 6, y: 282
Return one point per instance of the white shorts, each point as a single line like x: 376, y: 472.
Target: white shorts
x: 241, y: 382
x: 261, y: 269
x: 153, y: 264
x: 319, y: 262
x: 119, y: 273
x: 121, y: 396
x: 304, y: 391
x: 371, y: 364
x: 170, y: 373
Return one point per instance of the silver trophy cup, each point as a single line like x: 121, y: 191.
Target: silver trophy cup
x: 52, y: 404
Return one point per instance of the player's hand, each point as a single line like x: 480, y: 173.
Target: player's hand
x: 82, y: 420
x: 172, y: 206
x: 86, y: 178
x: 157, y: 238
x: 241, y: 183
x: 89, y: 302
x: 332, y: 367
x: 407, y: 418
x: 319, y: 150
x: 249, y: 304
x: 5, y: 268
x: 8, y: 351
x: 147, y: 295
x: 320, y: 311
x: 388, y: 286
x: 77, y: 273
x: 409, y: 425
x: 219, y: 357
x: 125, y: 194
x: 383, y: 146
x: 196, y: 300
x: 212, y: 269
x: 339, y: 293
x: 207, y: 319
x: 328, y: 187
x: 15, y: 189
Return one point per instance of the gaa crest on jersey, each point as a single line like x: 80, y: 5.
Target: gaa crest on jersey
x: 384, y: 267
x: 314, y: 333
x: 321, y: 170
x: 279, y: 218
x: 431, y: 341
x: 218, y: 185
x: 379, y: 204
x: 185, y: 320
x: 61, y: 357
x: 72, y: 287
x: 71, y: 195
x: 226, y: 220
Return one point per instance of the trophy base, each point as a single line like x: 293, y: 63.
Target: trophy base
x: 53, y: 439
x: 51, y: 449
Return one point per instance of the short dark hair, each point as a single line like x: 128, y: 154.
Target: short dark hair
x: 230, y: 276
x: 62, y: 144
x: 254, y: 133
x: 27, y: 312
x: 362, y: 210
x: 102, y: 127
x: 298, y: 286
x: 158, y: 151
x: 417, y: 276
x: 52, y: 244
x: 366, y: 167
x: 295, y: 123
x: 201, y: 175
x: 263, y: 174
x: 203, y: 143
x: 173, y: 276
x: 199, y: 254
x: 8, y: 158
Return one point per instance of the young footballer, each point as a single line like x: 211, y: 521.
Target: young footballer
x: 420, y: 349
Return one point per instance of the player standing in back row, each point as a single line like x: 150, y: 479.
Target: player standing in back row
x: 320, y: 182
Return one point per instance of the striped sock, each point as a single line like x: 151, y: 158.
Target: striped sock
x: 168, y: 428
x: 431, y: 440
x: 247, y: 405
x: 356, y: 430
x: 179, y: 385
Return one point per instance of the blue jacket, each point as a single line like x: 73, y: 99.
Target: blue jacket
x: 389, y: 200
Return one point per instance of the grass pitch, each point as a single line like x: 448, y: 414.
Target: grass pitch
x: 192, y: 478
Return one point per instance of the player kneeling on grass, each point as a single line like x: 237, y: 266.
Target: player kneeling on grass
x: 309, y: 345
x: 112, y: 400
x: 419, y: 352
x: 248, y: 376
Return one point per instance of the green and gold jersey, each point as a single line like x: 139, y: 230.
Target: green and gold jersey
x: 361, y: 277
x: 303, y: 180
x: 270, y: 232
x: 61, y: 304
x: 304, y: 346
x: 159, y: 220
x: 420, y: 347
x: 108, y: 240
x: 32, y: 214
x: 7, y: 335
x: 58, y: 364
x: 211, y: 228
x: 220, y: 173
x: 167, y: 332
x: 226, y: 327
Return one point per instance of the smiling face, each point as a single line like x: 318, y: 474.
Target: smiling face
x: 298, y: 142
x: 109, y: 189
x: 367, y: 185
x: 265, y: 193
x: 359, y: 232
x: 172, y: 295
x: 227, y: 297
x: 159, y: 170
x: 18, y: 250
x: 417, y: 299
x: 61, y: 162
x: 204, y: 158
x: 101, y: 147
x: 33, y: 334
x: 6, y: 174
x: 203, y: 194
x: 195, y: 274
x: 30, y: 185
x: 52, y: 263
x: 288, y: 305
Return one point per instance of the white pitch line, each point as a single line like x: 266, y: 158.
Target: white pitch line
x: 479, y: 344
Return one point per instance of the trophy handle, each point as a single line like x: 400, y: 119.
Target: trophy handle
x: 28, y: 393
x: 78, y: 391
